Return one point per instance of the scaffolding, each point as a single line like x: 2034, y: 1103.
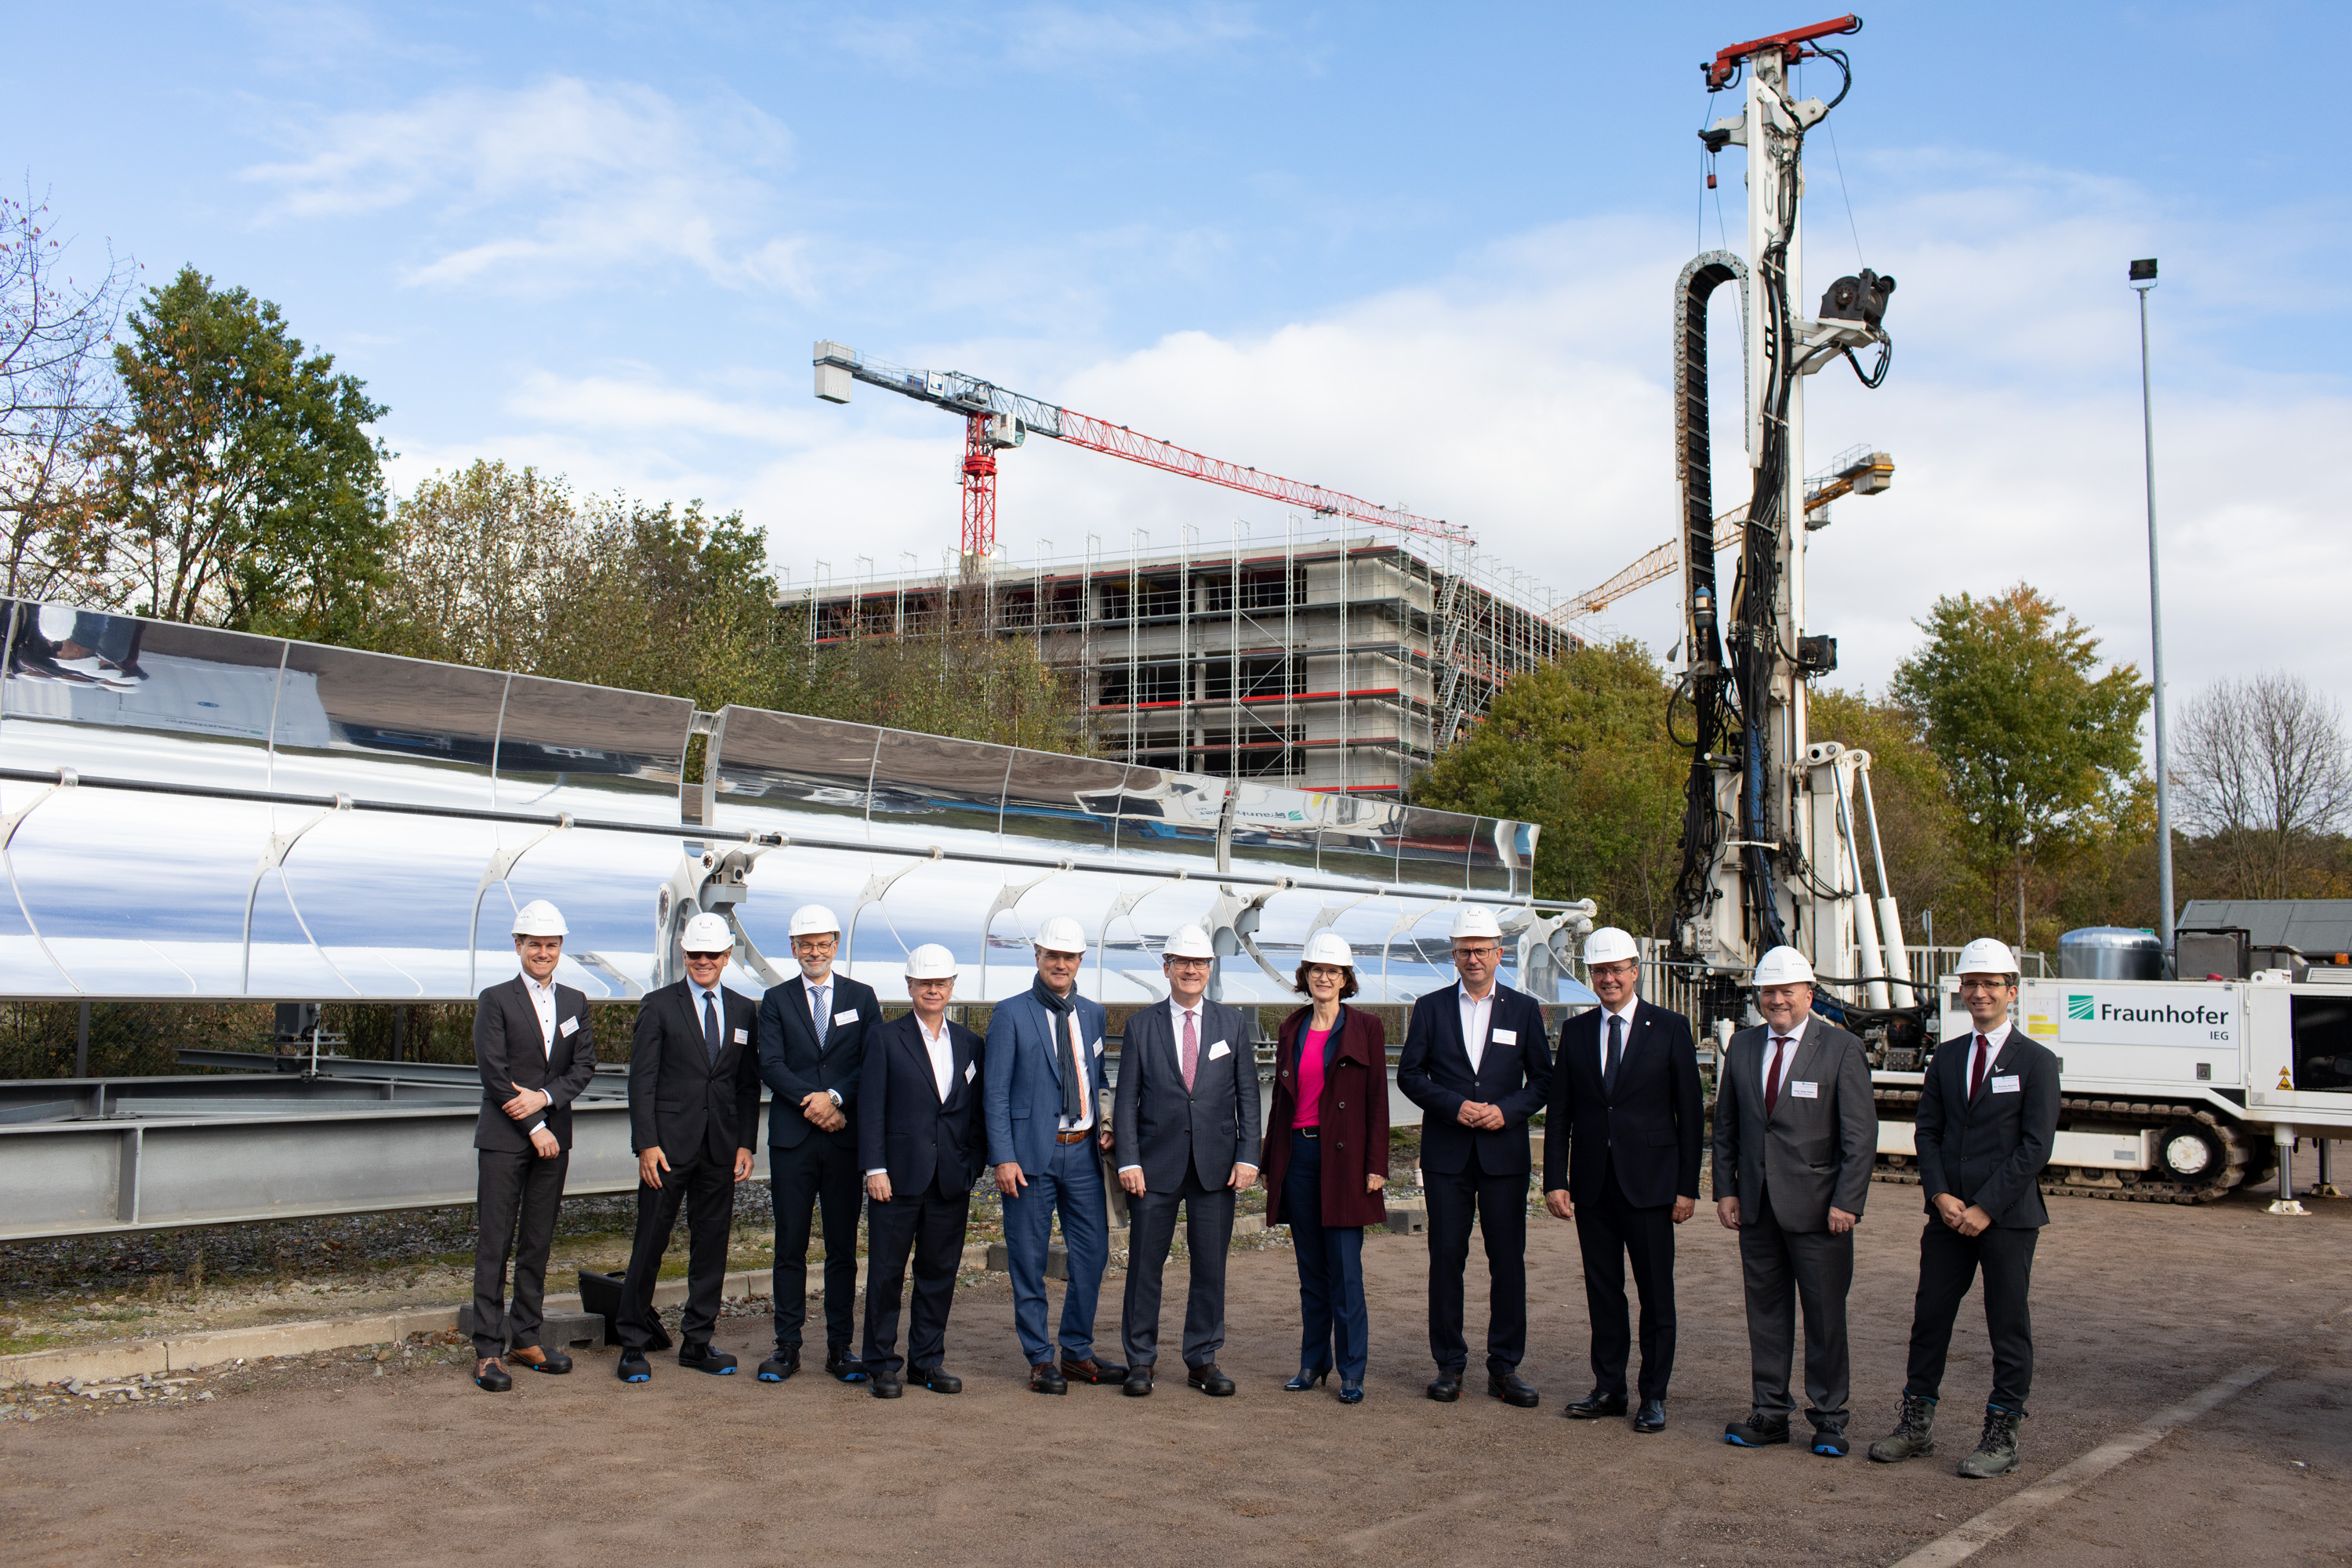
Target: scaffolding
x: 1327, y: 661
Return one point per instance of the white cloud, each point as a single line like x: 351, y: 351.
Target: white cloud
x: 1048, y: 39
x: 542, y: 185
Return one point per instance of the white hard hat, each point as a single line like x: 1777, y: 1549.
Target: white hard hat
x: 1475, y: 920
x: 540, y: 918
x: 708, y: 933
x: 930, y: 961
x: 1610, y: 945
x: 814, y: 920
x: 1783, y: 966
x: 1061, y: 935
x: 1188, y: 942
x: 1329, y: 947
x: 1987, y: 955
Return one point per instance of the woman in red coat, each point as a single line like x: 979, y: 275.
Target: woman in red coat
x: 1326, y: 1159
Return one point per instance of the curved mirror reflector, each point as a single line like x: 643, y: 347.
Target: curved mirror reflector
x: 379, y: 727
x: 1358, y: 841
x: 1434, y: 848
x: 1171, y: 819
x: 930, y: 789
x: 1274, y: 829
x: 783, y: 772
x: 1497, y: 870
x: 1066, y: 806
x: 591, y: 751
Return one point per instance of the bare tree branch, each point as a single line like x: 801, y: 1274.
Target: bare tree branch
x: 2264, y: 769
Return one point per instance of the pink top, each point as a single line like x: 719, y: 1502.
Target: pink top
x: 1309, y: 1111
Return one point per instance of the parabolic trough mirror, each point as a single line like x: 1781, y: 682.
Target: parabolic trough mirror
x: 192, y: 813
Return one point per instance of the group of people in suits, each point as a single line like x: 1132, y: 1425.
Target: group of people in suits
x: 903, y: 1118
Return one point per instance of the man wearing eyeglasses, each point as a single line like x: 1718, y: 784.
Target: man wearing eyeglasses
x: 1988, y: 1116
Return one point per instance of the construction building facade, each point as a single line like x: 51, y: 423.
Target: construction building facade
x: 1340, y: 664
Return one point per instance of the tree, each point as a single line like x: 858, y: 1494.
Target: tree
x: 1580, y: 747
x: 243, y: 484
x: 478, y: 557
x: 57, y: 385
x: 2041, y: 748
x: 2263, y: 769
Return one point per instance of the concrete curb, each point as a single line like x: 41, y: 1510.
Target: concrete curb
x: 182, y: 1352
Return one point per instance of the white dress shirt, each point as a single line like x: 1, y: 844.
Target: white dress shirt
x: 943, y: 1054
x: 1787, y: 1053
x: 1993, y: 1039
x: 819, y: 996
x: 543, y: 1001
x: 1625, y: 1040
x: 1475, y: 1012
x: 1176, y: 1014
x: 1085, y: 1083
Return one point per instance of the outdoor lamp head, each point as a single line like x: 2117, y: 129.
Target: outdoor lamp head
x: 2144, y: 271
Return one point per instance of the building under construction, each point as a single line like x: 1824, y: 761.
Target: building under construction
x: 1328, y: 663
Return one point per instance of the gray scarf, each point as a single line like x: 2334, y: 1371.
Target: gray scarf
x: 1074, y: 1101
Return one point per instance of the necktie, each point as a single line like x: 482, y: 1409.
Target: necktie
x: 1773, y: 1076
x: 1192, y: 1049
x: 1983, y: 1061
x: 1616, y: 1054
x: 821, y: 1019
x: 1073, y: 1103
x: 710, y: 1027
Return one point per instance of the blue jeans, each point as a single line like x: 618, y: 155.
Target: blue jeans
x: 1072, y: 1181
x: 1331, y: 1269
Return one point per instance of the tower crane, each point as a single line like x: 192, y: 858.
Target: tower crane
x: 996, y: 420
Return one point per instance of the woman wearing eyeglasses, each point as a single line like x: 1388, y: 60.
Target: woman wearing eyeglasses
x: 1326, y: 1159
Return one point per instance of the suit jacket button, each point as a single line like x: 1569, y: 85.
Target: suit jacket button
x: 1343, y: 1105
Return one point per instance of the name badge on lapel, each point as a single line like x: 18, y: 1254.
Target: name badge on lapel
x: 2005, y: 1083
x: 569, y: 1027
x: 1504, y: 1037
x: 1804, y: 1090
x: 1220, y: 1049
x: 742, y: 1038
x: 1098, y: 1047
x: 970, y: 1068
x: 848, y: 1017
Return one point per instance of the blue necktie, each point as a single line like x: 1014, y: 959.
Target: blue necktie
x: 821, y: 1018
x: 710, y: 1027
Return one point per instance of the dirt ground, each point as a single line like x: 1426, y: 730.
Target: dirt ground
x: 350, y: 1459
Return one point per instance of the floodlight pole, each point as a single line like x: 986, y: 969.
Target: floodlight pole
x: 2143, y: 275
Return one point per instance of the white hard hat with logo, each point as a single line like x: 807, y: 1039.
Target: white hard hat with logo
x: 1475, y: 920
x: 1329, y: 947
x: 540, y: 918
x: 1610, y: 945
x: 1188, y: 942
x: 708, y: 933
x: 1987, y: 955
x: 930, y: 961
x: 1783, y: 966
x: 814, y: 920
x: 1061, y: 935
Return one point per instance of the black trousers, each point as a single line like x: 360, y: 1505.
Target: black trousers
x: 1609, y: 1230
x: 819, y: 1178
x: 931, y: 1226
x: 706, y: 1187
x: 1782, y: 1267
x: 1500, y: 1205
x: 1948, y: 1267
x: 515, y: 1202
x: 1151, y: 1231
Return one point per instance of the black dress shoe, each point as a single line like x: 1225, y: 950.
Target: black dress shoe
x: 702, y: 1358
x: 1445, y: 1388
x: 1652, y: 1416
x: 634, y: 1368
x: 541, y: 1359
x: 886, y: 1385
x: 1513, y: 1390
x: 1351, y: 1391
x: 939, y: 1381
x: 1307, y: 1378
x: 488, y: 1375
x: 1759, y: 1431
x: 780, y: 1365
x: 1209, y: 1380
x: 1138, y: 1383
x: 841, y: 1364
x: 1047, y: 1378
x: 1594, y: 1405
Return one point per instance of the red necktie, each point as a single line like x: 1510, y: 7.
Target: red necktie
x: 1983, y: 1062
x: 1773, y: 1076
x: 1192, y: 1049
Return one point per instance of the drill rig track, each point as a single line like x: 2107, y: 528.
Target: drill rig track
x: 2236, y: 1167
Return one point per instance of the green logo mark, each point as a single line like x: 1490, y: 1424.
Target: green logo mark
x: 2082, y: 1008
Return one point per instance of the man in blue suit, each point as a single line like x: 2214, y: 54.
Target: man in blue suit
x: 1042, y: 1073
x: 1477, y: 1063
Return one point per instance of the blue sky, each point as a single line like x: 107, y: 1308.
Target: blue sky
x: 1422, y: 254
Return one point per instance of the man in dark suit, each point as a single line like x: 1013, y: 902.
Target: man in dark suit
x: 1988, y: 1116
x: 1185, y: 1131
x: 1796, y: 1136
x: 694, y: 1120
x: 1042, y: 1101
x: 536, y: 1053
x: 1621, y: 1149
x: 813, y: 1033
x: 1477, y: 1062
x: 921, y: 1140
